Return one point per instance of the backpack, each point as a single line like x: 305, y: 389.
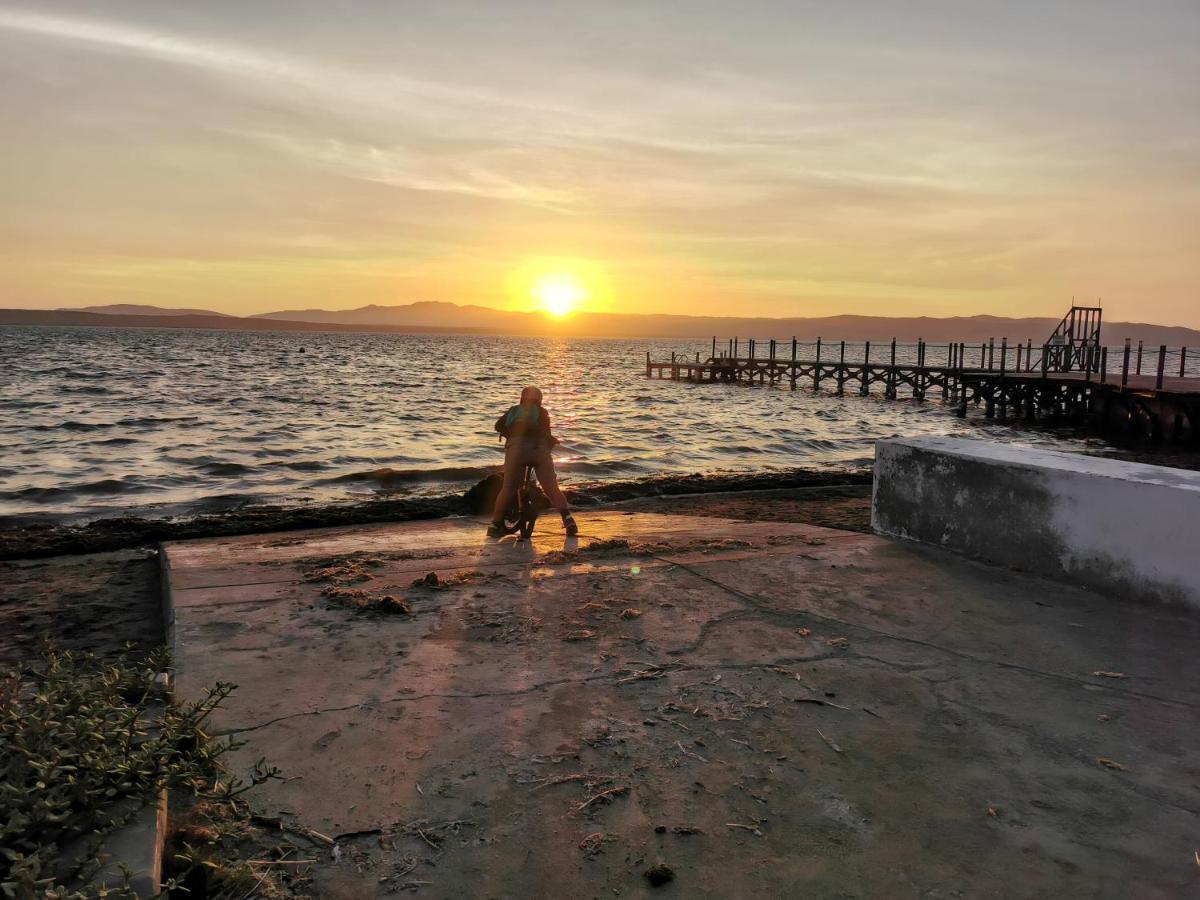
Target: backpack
x: 517, y: 415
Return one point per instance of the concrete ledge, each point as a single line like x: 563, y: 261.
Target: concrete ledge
x: 136, y: 848
x: 1127, y: 529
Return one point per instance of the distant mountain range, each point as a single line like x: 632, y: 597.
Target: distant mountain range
x: 453, y: 318
x: 142, y: 309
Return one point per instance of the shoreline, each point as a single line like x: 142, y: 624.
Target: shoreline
x: 34, y: 540
x: 27, y: 537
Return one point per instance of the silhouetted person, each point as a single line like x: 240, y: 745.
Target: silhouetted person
x: 526, y: 427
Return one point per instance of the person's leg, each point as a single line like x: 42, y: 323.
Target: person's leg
x: 548, y: 479
x: 513, y: 471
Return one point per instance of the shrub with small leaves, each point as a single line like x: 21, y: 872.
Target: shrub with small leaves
x: 85, y: 744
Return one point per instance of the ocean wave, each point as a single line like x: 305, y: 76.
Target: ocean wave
x: 144, y: 421
x: 104, y: 486
x: 388, y: 477
x: 72, y: 425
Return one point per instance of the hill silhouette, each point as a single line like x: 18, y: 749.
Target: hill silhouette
x: 432, y: 316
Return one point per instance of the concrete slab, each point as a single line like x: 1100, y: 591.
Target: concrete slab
x: 1122, y: 527
x: 788, y: 710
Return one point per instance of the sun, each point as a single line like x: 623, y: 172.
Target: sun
x: 559, y: 293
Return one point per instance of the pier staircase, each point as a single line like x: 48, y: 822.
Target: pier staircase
x: 1075, y: 344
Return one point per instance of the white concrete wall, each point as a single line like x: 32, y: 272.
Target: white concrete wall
x: 1128, y: 529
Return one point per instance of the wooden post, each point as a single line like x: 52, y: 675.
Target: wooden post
x: 1139, y: 358
x: 1125, y: 366
x: 647, y: 363
x: 866, y: 366
x: 919, y: 375
x: 891, y: 377
x: 991, y: 353
x: 714, y: 355
x: 1162, y: 361
x: 1045, y: 353
x: 817, y: 367
x: 1103, y: 365
x: 1020, y: 348
x: 983, y: 355
x: 842, y: 369
x: 772, y: 349
x: 792, y: 368
x: 1182, y: 361
x: 1003, y: 355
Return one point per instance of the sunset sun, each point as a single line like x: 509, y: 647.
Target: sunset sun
x: 559, y: 293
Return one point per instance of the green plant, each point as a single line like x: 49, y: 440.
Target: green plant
x: 85, y: 744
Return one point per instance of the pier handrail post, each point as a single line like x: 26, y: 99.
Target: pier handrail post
x: 841, y: 377
x: 1125, y: 365
x: 866, y: 366
x: 893, y: 351
x: 793, y: 349
x: 647, y: 363
x: 1162, y: 361
x: 1089, y: 365
x: 920, y: 376
x: 750, y: 350
x: 1029, y: 355
x: 1139, y: 358
x: 714, y: 356
x: 1045, y: 353
x: 792, y: 367
x: 1182, y: 361
x: 1003, y: 355
x: 817, y: 367
x: 771, y: 349
x: 1020, y: 347
x: 735, y: 348
x: 983, y: 355
x: 1103, y: 365
x: 991, y: 353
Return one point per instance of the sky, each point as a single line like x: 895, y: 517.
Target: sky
x: 781, y: 159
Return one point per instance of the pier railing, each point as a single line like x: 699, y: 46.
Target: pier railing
x: 1155, y: 389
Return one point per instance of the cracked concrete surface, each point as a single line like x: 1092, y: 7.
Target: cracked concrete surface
x: 770, y: 709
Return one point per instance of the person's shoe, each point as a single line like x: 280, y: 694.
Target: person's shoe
x: 495, y: 530
x: 570, y: 526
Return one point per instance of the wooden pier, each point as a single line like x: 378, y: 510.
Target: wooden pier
x: 1067, y: 379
